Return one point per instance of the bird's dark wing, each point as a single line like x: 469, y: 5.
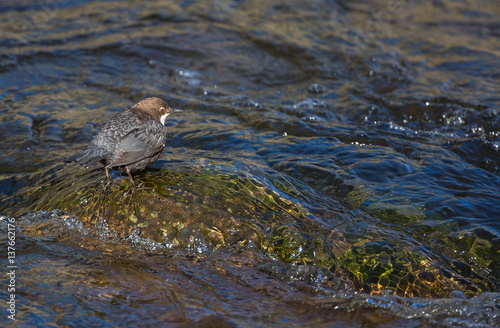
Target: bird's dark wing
x: 90, y: 156
x: 140, y: 143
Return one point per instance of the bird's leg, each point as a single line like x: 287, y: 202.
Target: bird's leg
x: 130, y: 176
x: 108, y: 178
x: 132, y: 181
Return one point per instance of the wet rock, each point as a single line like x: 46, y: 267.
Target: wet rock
x: 457, y: 294
x: 488, y: 113
x: 317, y: 88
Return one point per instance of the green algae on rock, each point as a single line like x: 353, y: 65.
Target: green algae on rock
x: 209, y: 207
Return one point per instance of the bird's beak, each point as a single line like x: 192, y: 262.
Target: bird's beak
x: 177, y: 110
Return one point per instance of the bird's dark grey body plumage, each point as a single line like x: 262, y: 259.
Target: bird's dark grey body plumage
x: 131, y: 140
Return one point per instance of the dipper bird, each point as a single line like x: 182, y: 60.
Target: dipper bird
x: 131, y: 140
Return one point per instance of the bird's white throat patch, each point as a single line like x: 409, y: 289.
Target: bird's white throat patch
x: 163, y: 118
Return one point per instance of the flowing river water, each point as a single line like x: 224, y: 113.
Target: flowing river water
x: 336, y: 164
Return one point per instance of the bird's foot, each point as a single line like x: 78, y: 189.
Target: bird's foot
x: 107, y: 183
x: 139, y: 187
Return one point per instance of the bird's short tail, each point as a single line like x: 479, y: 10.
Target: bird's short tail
x: 88, y: 157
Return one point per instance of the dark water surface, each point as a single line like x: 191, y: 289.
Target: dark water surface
x: 337, y: 163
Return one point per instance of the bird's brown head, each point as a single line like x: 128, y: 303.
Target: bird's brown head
x: 155, y: 107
